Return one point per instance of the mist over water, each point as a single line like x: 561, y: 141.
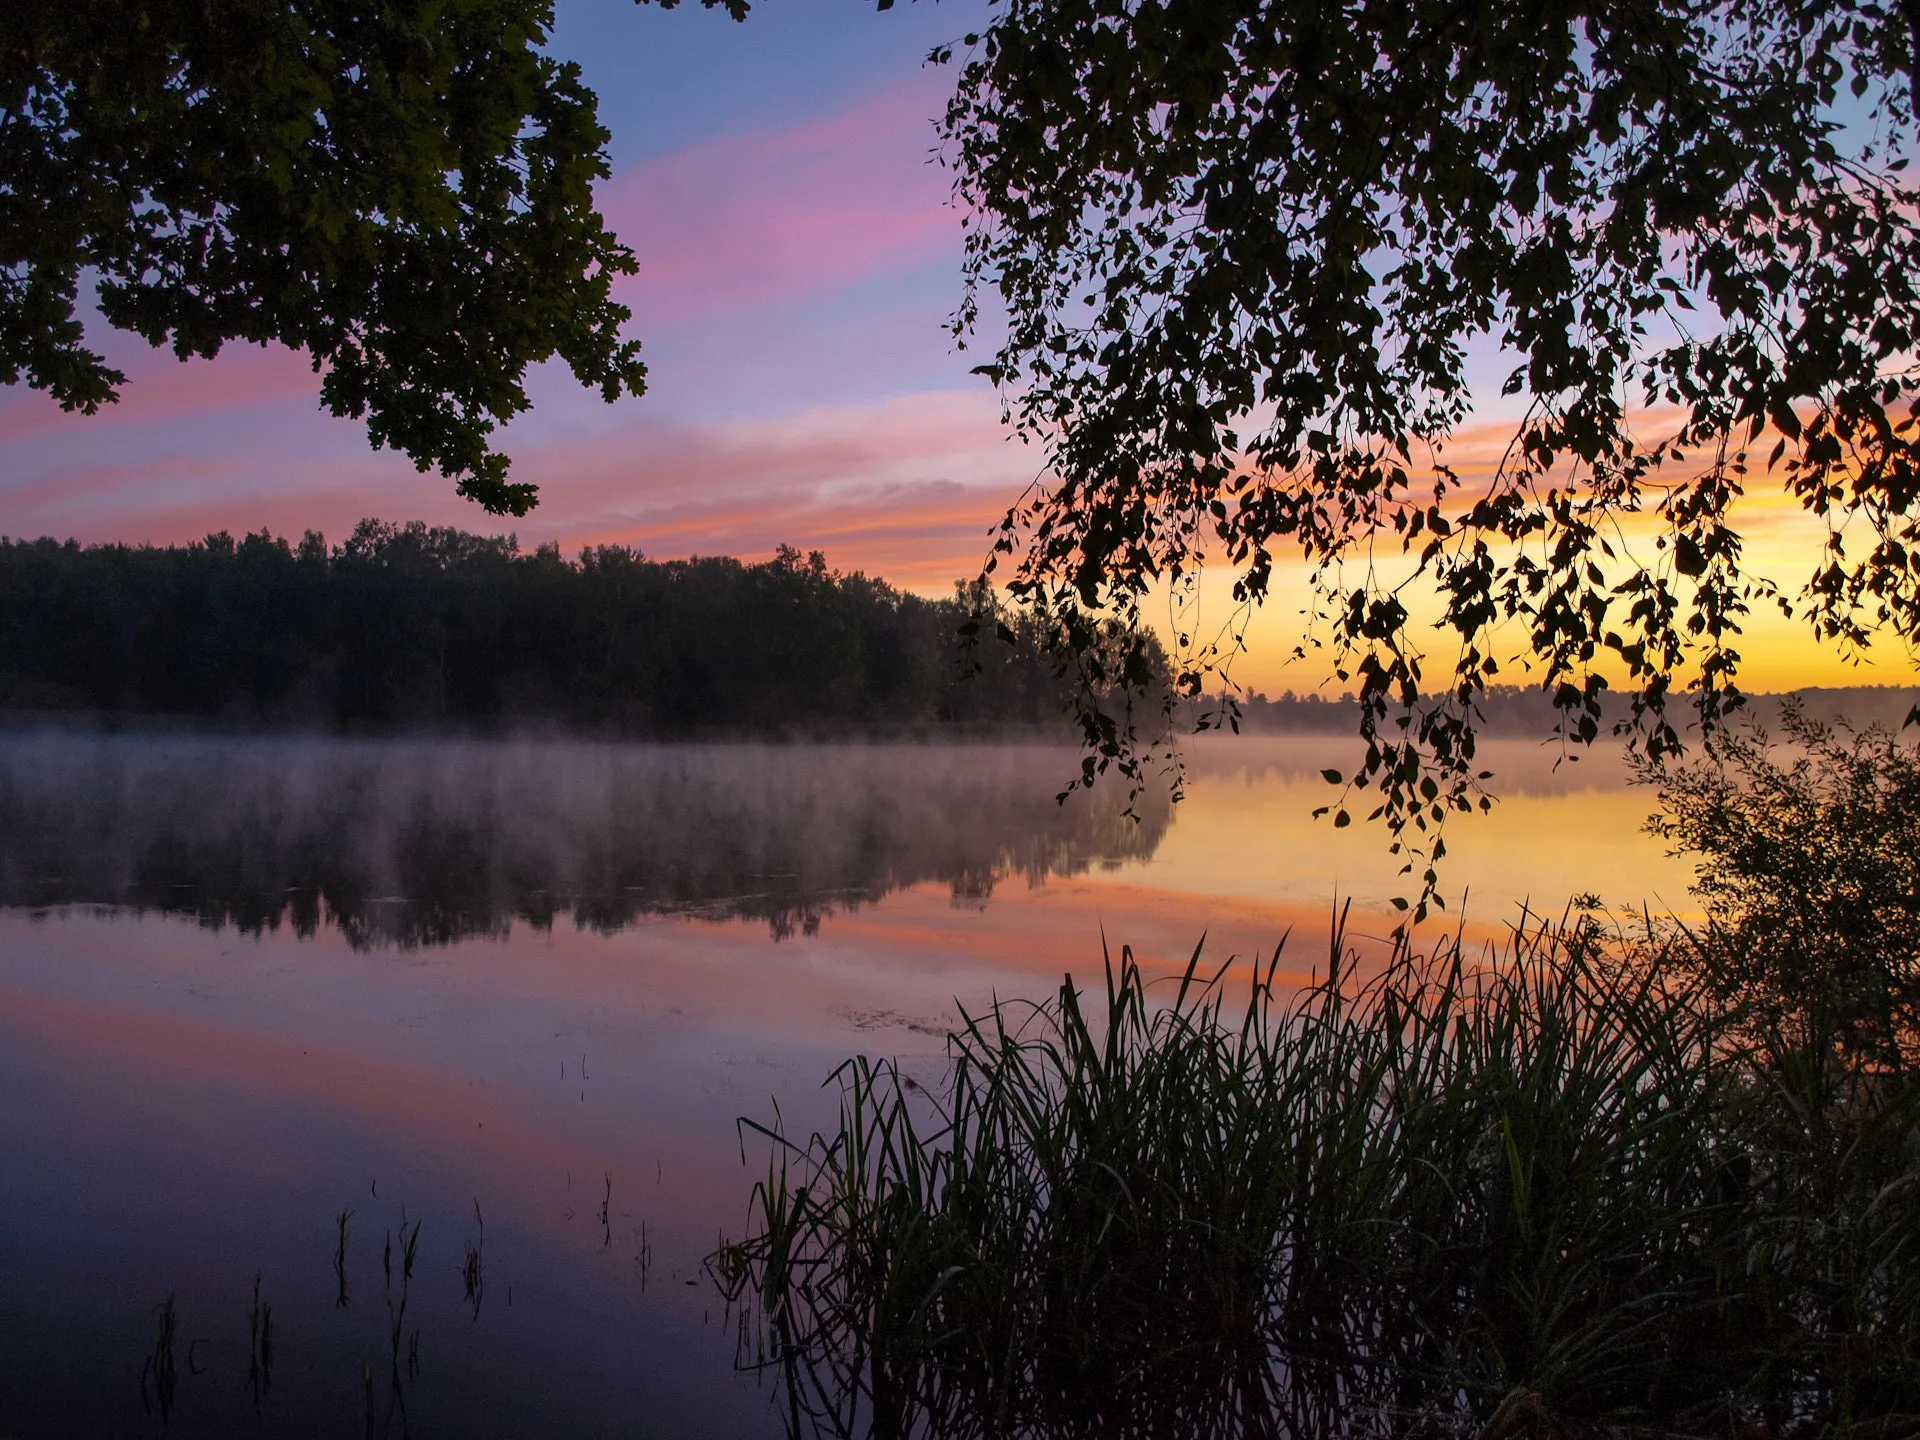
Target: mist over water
x: 428, y: 842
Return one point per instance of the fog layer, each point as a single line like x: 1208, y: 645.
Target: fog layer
x: 425, y: 842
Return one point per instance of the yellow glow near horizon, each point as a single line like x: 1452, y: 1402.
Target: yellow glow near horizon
x: 1782, y: 545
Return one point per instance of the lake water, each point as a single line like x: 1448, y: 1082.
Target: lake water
x: 268, y: 1008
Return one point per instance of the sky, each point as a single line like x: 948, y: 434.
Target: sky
x: 799, y: 257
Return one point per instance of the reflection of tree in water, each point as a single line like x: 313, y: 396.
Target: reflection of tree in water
x: 424, y: 843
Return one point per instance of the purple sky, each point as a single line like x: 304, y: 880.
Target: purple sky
x: 798, y: 257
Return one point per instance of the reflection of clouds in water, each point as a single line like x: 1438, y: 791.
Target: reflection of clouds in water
x: 426, y: 842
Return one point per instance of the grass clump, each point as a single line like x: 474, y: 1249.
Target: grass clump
x: 1585, y: 1185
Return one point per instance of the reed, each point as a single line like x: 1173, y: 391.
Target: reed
x: 159, y: 1375
x: 1546, y: 1191
x: 341, y: 1299
x: 259, y: 1346
x: 473, y: 1273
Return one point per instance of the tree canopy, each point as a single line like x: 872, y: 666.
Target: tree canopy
x: 1260, y: 260
x: 402, y: 191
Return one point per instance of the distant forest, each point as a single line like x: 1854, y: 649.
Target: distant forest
x: 406, y: 627
x: 1513, y: 710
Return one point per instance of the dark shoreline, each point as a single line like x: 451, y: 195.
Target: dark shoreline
x: 1509, y: 714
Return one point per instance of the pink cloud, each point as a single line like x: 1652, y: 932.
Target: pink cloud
x: 161, y: 387
x: 730, y: 224
x: 720, y: 228
x: 904, y: 488
x: 92, y: 481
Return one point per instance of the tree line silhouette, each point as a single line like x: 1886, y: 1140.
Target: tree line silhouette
x: 1531, y: 711
x: 418, y: 628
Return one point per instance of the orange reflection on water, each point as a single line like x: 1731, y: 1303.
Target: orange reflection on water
x: 1560, y: 826
x: 1244, y: 863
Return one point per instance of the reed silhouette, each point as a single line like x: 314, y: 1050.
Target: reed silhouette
x: 259, y: 1347
x: 473, y: 1265
x: 159, y: 1373
x: 341, y: 1298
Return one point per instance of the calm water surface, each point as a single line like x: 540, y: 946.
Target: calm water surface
x: 516, y: 996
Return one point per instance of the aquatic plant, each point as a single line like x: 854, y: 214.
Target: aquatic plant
x: 341, y: 1298
x: 259, y: 1346
x: 1540, y: 1192
x: 473, y: 1275
x: 159, y: 1370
